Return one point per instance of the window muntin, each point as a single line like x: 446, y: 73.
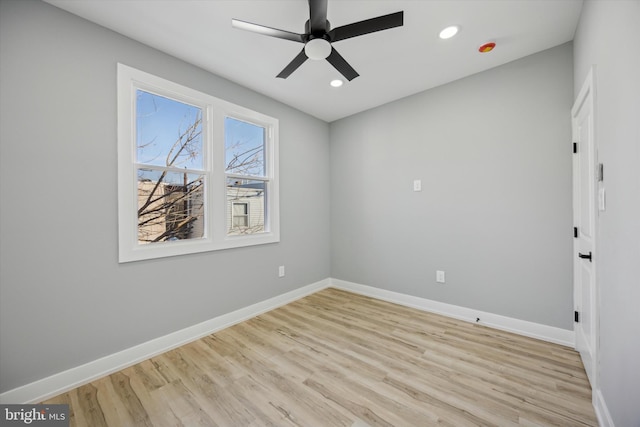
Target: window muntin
x: 184, y: 158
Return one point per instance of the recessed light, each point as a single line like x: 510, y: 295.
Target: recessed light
x: 336, y: 83
x: 449, y: 32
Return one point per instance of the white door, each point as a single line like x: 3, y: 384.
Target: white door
x: 585, y: 216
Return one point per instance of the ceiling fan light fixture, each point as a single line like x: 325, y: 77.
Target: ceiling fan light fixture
x: 317, y: 49
x: 336, y: 83
x: 449, y: 32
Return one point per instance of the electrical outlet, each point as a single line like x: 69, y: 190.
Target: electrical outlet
x: 281, y: 271
x: 417, y: 185
x: 440, y: 276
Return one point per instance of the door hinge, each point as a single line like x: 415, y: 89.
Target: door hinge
x: 576, y: 316
x: 575, y: 232
x: 575, y: 147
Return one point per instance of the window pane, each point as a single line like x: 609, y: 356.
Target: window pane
x: 244, y: 147
x: 170, y: 206
x: 168, y: 132
x: 245, y: 206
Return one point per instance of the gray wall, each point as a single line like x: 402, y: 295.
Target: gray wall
x: 64, y: 299
x: 493, y: 153
x: 617, y: 95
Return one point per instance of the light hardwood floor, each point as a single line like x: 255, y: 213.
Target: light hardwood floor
x: 340, y: 359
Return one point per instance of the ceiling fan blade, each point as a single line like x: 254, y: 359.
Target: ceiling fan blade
x: 293, y: 65
x: 367, y: 26
x: 267, y: 31
x: 341, y: 65
x: 317, y: 16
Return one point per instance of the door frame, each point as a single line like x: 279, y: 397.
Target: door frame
x: 587, y: 95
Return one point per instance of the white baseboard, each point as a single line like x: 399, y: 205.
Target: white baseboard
x: 602, y: 412
x: 67, y: 380
x: 522, y: 327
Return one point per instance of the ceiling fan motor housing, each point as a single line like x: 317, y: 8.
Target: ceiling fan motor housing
x: 307, y: 29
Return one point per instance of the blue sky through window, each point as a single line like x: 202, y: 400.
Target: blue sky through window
x: 244, y: 147
x: 160, y: 123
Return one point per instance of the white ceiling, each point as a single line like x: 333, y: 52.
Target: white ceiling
x: 392, y: 64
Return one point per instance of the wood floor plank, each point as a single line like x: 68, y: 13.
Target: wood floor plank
x: 121, y: 386
x: 159, y: 413
x: 86, y: 406
x: 335, y: 358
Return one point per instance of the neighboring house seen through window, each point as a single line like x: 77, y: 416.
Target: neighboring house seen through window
x: 195, y: 173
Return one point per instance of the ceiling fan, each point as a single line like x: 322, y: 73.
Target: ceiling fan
x: 318, y: 37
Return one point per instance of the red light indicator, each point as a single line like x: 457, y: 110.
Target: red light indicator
x: 487, y: 47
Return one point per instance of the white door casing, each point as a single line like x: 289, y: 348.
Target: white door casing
x: 585, y: 295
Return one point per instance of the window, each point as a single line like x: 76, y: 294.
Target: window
x: 240, y: 217
x: 195, y: 173
x: 247, y: 180
x: 170, y: 169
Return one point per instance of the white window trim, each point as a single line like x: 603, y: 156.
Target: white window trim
x: 214, y: 110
